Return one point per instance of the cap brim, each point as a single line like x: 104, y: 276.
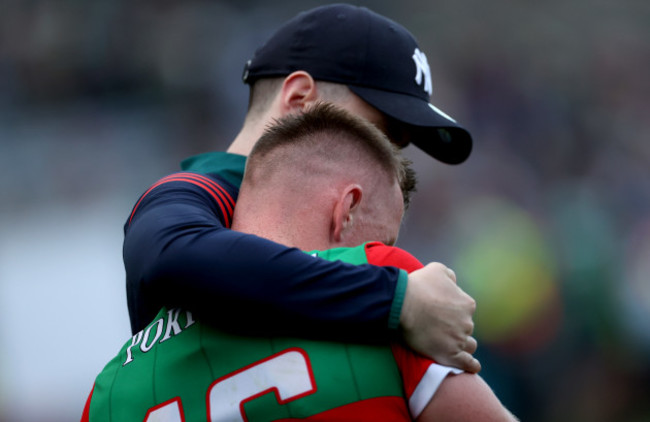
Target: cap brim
x: 434, y: 132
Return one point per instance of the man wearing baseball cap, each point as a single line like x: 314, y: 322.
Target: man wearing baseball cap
x: 377, y: 59
x: 201, y: 370
x: 179, y: 252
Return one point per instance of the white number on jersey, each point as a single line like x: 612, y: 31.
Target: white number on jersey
x: 288, y: 374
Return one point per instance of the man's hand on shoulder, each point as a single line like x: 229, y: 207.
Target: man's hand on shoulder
x: 436, y: 318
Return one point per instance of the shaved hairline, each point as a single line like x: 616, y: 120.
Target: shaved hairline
x: 329, y: 133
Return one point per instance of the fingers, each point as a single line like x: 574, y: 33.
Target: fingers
x: 436, y: 267
x: 470, y: 345
x: 468, y: 363
x: 437, y: 320
x: 474, y: 366
x: 451, y: 274
x: 462, y: 360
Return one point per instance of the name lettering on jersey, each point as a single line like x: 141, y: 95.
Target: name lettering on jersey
x: 422, y: 71
x: 149, y: 337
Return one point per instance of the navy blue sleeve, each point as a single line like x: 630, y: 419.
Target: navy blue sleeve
x: 178, y: 252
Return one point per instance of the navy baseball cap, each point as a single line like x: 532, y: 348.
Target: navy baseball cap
x: 377, y: 58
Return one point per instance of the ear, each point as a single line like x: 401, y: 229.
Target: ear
x: 345, y: 209
x: 298, y: 91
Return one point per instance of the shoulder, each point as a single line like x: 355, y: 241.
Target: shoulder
x: 375, y: 253
x: 229, y: 166
x: 182, y: 185
x: 212, y: 184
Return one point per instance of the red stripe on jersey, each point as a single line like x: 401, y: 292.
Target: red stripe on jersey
x: 412, y: 366
x: 389, y: 408
x: 390, y: 256
x: 85, y: 417
x: 223, y: 199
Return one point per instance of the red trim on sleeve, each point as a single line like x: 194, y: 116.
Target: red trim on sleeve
x: 85, y: 417
x: 390, y: 256
x: 386, y: 408
x: 217, y: 188
x: 223, y: 199
x: 411, y: 365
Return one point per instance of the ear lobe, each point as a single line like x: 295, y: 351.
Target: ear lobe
x: 298, y: 91
x: 344, y: 211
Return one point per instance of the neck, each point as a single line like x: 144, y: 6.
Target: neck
x: 282, y: 221
x: 245, y: 140
x: 294, y: 236
x: 254, y: 126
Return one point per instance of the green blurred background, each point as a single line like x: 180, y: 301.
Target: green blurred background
x: 547, y: 224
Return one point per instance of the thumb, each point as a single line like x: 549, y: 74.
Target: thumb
x: 451, y: 274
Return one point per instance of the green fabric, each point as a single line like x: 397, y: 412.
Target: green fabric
x: 356, y: 255
x: 229, y: 166
x: 177, y: 357
x: 398, y: 301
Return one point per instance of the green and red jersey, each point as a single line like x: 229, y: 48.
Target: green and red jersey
x: 179, y: 253
x: 178, y: 369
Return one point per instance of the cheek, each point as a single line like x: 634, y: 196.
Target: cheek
x: 396, y: 225
x: 387, y: 225
x: 398, y: 211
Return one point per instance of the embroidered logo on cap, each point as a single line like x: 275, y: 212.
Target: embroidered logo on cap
x: 422, y: 72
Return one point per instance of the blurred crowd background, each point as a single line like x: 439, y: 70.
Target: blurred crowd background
x: 547, y: 224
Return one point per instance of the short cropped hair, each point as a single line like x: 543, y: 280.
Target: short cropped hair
x: 330, y: 132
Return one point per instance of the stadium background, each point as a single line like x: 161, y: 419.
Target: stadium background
x: 547, y: 224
